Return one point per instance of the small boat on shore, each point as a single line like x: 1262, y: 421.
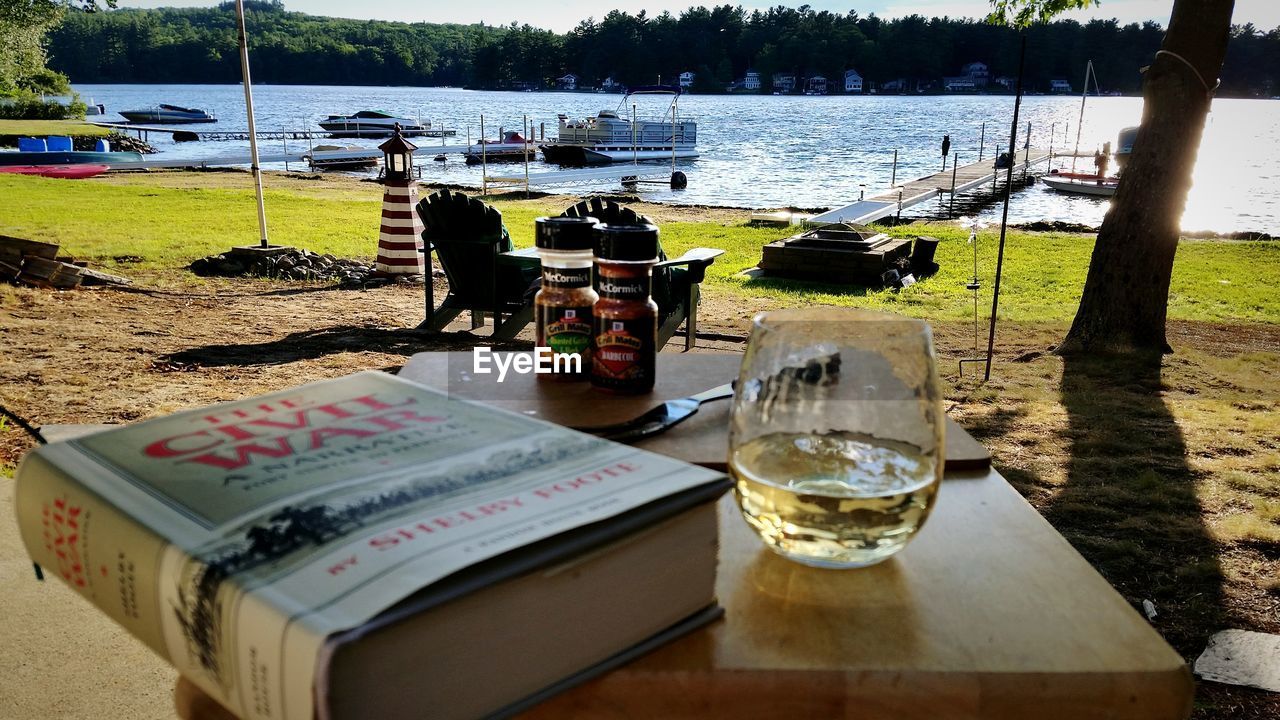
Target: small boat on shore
x: 607, y: 137
x: 51, y: 158
x: 1099, y: 187
x: 371, y: 124
x: 169, y: 115
x: 342, y: 157
x: 511, y: 147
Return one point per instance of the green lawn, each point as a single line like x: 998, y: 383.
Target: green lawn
x: 169, y: 222
x: 41, y: 128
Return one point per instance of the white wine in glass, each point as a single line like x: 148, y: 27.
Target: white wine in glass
x: 836, y: 438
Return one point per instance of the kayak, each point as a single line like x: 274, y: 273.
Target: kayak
x: 69, y: 172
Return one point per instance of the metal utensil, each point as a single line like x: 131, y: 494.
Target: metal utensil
x: 659, y: 419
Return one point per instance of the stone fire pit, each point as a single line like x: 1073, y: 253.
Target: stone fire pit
x: 836, y: 253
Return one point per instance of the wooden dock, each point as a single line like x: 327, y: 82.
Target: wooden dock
x: 948, y: 182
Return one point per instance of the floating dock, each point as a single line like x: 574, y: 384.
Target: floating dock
x: 625, y: 174
x: 948, y: 182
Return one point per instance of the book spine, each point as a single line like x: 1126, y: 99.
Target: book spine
x: 89, y: 544
x: 125, y: 569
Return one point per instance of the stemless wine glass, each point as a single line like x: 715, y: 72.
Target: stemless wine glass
x: 836, y: 436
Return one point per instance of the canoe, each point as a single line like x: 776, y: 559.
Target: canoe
x: 68, y: 172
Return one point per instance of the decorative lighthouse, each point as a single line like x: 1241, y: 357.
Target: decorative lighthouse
x: 400, y: 240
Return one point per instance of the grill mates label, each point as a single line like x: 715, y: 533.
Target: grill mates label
x: 566, y: 277
x: 566, y: 329
x: 629, y: 289
x: 624, y: 355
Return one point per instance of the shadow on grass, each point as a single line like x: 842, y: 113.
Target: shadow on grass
x: 313, y: 344
x: 1130, y: 504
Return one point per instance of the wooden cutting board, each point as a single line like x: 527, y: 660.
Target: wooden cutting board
x: 703, y: 439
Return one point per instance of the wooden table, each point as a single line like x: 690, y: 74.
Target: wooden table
x: 988, y: 613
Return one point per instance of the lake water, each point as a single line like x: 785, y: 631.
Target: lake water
x: 768, y: 152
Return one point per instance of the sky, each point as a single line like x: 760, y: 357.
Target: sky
x: 561, y: 15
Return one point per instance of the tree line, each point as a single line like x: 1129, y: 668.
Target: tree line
x: 719, y: 44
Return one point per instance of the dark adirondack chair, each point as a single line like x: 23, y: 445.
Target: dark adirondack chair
x: 676, y: 282
x: 468, y: 238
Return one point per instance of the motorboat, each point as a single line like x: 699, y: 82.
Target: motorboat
x: 511, y: 147
x: 169, y: 115
x: 342, y: 157
x: 608, y: 137
x: 1124, y: 145
x: 1100, y: 187
x: 371, y: 124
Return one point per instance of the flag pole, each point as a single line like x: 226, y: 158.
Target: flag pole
x: 253, y: 134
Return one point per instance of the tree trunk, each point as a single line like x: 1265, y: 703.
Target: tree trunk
x: 1126, y: 294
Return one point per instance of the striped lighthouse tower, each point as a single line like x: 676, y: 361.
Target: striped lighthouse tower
x: 400, y: 238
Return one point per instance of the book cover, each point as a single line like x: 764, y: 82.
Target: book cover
x: 235, y: 539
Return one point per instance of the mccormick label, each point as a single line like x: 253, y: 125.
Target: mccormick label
x: 565, y: 329
x: 566, y: 277
x: 625, y: 354
x: 625, y: 289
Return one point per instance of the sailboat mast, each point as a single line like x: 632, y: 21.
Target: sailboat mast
x: 1088, y: 70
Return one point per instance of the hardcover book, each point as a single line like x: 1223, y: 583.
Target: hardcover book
x: 368, y: 547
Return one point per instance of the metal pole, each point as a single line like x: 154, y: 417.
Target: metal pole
x: 253, y: 132
x: 1004, y: 220
x: 1026, y: 154
x: 674, y: 100
x: 526, y: 159
x: 634, y: 159
x: 1084, y: 95
x: 484, y: 163
x: 955, y: 165
x: 893, y: 179
x: 982, y: 141
x: 1053, y: 128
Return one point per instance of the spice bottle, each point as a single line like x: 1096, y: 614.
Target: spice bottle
x: 626, y: 319
x: 562, y: 308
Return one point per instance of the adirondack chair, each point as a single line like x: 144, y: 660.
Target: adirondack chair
x: 468, y: 237
x: 676, y: 282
